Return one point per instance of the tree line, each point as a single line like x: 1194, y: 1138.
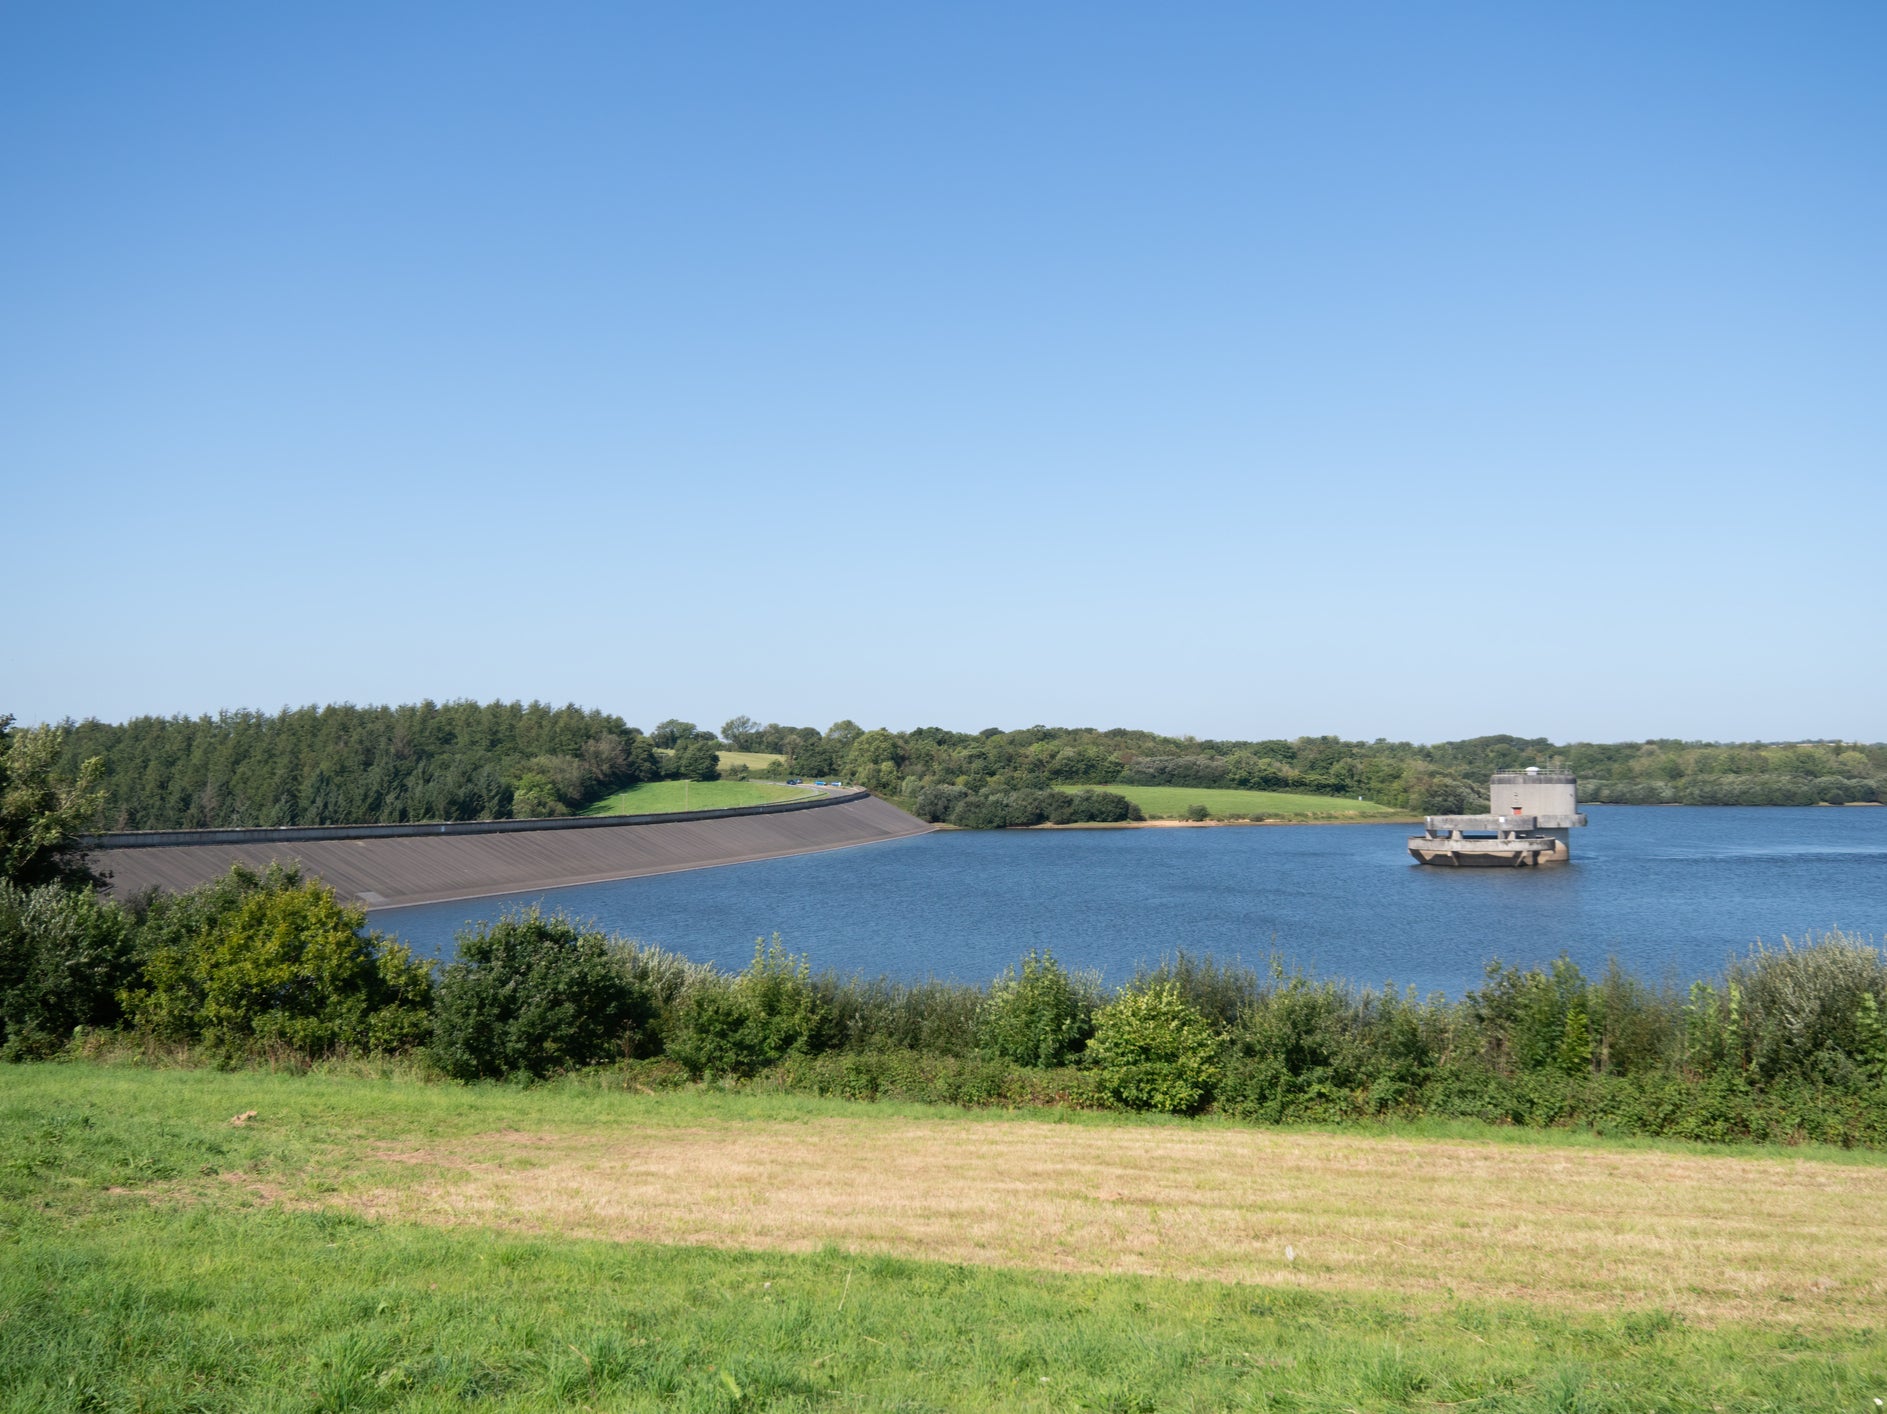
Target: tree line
x: 342, y: 765
x: 466, y: 761
x: 994, y: 768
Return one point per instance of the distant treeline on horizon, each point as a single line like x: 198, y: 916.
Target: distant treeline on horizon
x: 466, y: 760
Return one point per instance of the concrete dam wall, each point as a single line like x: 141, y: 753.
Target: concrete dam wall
x: 385, y: 866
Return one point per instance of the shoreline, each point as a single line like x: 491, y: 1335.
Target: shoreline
x: 1171, y: 823
x: 1177, y: 824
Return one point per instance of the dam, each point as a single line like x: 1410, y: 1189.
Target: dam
x: 388, y: 866
x: 1532, y: 815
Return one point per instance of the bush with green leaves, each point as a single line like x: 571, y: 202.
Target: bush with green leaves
x: 45, y: 811
x: 1152, y: 1050
x: 934, y: 803
x: 1805, y: 1005
x: 1536, y: 1020
x: 739, y: 1026
x: 695, y: 761
x: 879, y: 1013
x: 1310, y: 1049
x: 1222, y: 991
x: 1036, y: 1014
x: 535, y: 797
x: 274, y: 959
x: 1801, y: 1010
x: 536, y: 994
x: 64, y: 955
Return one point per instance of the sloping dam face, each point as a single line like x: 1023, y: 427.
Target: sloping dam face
x: 387, y: 870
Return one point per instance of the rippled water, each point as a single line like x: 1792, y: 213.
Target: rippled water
x: 1671, y: 891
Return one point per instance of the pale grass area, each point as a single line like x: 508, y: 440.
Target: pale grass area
x: 1710, y: 1236
x: 760, y: 761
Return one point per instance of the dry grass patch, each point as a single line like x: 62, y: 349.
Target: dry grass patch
x: 1713, y: 1237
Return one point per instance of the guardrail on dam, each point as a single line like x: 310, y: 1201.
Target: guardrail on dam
x: 388, y: 866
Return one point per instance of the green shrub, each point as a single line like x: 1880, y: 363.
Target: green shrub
x: 1092, y: 807
x: 927, y: 1078
x: 64, y: 956
x: 695, y: 761
x: 536, y: 995
x: 271, y: 958
x: 45, y: 811
x: 664, y: 978
x: 1320, y: 1050
x: 535, y: 797
x: 882, y: 1014
x: 1035, y: 1016
x: 1291, y: 1042
x: 935, y: 803
x: 1535, y: 1020
x: 741, y: 1026
x: 1801, y: 1006
x: 1153, y: 1051
x: 1222, y: 991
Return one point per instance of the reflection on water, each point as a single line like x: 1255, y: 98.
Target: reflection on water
x: 1672, y: 891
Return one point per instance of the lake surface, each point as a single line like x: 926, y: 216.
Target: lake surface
x: 1672, y: 891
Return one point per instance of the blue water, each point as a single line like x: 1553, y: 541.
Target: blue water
x: 1671, y: 891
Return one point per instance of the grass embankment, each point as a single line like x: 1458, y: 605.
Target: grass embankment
x: 388, y: 1244
x: 661, y: 797
x: 1172, y: 803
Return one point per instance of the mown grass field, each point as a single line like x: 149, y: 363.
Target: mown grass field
x: 1172, y: 802
x: 383, y: 1243
x: 759, y: 761
x: 763, y: 761
x: 659, y: 797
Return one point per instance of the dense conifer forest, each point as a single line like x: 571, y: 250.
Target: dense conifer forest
x: 357, y: 765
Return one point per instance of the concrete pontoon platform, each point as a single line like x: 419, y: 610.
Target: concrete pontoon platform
x: 1534, y: 829
x: 1502, y: 849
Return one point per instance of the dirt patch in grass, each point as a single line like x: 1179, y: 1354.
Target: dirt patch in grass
x: 1708, y: 1236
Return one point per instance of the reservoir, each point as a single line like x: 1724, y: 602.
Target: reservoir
x: 1671, y: 891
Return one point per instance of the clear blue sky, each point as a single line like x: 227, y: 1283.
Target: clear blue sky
x: 1415, y: 370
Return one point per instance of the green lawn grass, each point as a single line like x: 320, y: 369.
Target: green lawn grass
x: 660, y: 797
x: 1172, y: 802
x: 133, y: 1276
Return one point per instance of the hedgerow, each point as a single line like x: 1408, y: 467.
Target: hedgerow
x: 1788, y: 1044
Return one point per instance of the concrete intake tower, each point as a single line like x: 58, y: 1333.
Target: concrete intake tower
x: 1533, y: 813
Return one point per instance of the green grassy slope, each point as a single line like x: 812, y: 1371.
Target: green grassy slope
x: 154, y: 1257
x: 1171, y: 802
x: 656, y: 797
